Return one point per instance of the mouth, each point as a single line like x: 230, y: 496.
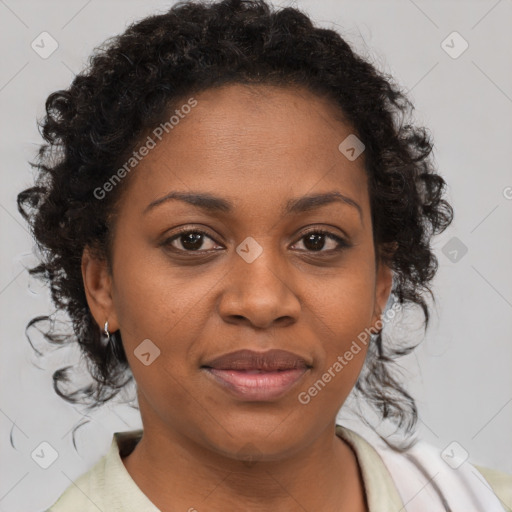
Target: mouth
x: 257, y: 385
x: 257, y: 376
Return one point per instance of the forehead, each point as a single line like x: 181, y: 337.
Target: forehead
x: 252, y: 144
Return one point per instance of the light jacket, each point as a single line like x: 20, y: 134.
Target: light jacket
x: 420, y: 481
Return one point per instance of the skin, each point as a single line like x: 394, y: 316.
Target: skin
x: 258, y: 147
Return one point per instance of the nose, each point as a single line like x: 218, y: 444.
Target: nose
x: 259, y: 294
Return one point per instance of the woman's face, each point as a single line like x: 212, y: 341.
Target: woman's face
x: 257, y: 279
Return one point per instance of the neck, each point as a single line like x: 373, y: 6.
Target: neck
x: 177, y: 473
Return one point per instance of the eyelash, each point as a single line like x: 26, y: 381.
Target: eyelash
x: 342, y: 243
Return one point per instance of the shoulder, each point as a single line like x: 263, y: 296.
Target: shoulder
x: 427, y: 480
x: 107, y: 485
x: 501, y: 484
x: 85, y: 493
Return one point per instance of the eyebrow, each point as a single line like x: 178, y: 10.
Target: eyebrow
x: 214, y: 204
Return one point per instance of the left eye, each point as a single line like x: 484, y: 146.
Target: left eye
x: 314, y: 241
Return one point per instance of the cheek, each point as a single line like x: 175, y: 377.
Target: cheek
x: 168, y: 309
x: 149, y: 299
x: 343, y: 302
x: 167, y: 305
x: 342, y: 313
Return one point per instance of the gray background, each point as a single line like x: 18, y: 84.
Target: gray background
x: 460, y: 374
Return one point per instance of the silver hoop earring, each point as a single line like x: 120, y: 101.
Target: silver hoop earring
x: 106, y: 331
x: 110, y: 339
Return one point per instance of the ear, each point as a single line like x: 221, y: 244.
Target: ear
x: 98, y: 289
x: 383, y: 285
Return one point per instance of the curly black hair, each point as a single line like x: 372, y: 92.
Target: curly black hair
x: 130, y: 85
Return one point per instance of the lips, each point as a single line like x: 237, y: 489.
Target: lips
x: 249, y: 360
x: 252, y: 376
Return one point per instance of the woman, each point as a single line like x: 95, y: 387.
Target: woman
x: 230, y: 206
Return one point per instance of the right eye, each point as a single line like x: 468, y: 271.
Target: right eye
x: 190, y: 240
